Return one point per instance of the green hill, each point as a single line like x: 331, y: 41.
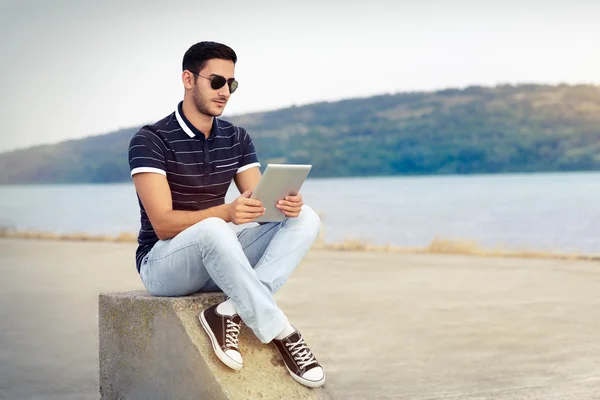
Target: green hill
x: 506, y: 128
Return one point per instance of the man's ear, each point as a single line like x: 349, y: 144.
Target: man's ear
x: 187, y: 78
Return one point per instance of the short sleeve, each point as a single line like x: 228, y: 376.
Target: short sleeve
x: 146, y: 153
x: 249, y: 158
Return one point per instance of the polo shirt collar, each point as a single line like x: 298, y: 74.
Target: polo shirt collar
x: 190, y: 129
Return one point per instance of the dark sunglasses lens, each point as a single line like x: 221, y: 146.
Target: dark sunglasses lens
x: 233, y: 86
x: 218, y: 82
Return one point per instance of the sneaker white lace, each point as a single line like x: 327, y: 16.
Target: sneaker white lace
x: 301, y: 353
x: 231, y: 334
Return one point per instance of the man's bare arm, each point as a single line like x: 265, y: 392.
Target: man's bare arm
x: 248, y: 179
x: 155, y: 195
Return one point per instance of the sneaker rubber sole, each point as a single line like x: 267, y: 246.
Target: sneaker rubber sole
x: 231, y: 363
x: 306, y: 382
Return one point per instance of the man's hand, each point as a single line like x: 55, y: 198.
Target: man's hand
x: 291, y: 205
x: 244, y: 209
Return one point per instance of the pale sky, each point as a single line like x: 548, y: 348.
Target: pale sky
x: 75, y: 68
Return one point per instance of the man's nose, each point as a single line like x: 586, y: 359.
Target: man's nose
x: 224, y: 91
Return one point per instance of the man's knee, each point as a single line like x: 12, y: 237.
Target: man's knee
x: 213, y: 223
x: 308, y: 218
x: 214, y: 231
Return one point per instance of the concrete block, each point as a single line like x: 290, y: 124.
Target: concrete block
x: 155, y: 348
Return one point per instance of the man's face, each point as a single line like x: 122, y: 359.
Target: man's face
x: 211, y: 101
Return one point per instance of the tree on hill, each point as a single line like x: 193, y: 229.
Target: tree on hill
x: 520, y: 128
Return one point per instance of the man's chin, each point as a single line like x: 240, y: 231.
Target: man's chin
x: 217, y: 111
x: 210, y: 109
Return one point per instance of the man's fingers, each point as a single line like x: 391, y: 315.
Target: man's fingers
x: 249, y: 213
x: 249, y: 206
x: 294, y: 199
x: 250, y: 202
x: 291, y: 214
x: 244, y: 218
x: 290, y: 203
x: 251, y: 209
x: 291, y: 206
x: 294, y: 209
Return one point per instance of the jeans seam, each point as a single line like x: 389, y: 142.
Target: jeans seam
x: 280, y: 225
x: 150, y: 281
x: 172, y: 252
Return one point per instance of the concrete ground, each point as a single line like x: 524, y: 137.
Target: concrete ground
x: 385, y: 326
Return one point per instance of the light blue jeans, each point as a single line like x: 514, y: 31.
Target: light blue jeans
x: 248, y: 266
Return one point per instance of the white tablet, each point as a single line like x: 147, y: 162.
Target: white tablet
x: 277, y: 182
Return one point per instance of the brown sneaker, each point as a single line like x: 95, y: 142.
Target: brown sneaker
x: 299, y: 360
x: 223, y: 331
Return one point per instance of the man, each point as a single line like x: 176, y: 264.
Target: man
x: 182, y: 167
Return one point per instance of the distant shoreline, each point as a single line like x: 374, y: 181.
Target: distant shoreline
x: 437, y: 245
x: 335, y: 177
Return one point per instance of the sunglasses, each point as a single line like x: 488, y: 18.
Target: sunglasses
x: 218, y: 81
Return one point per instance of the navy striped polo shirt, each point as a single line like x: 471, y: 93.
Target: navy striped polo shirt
x: 199, y: 169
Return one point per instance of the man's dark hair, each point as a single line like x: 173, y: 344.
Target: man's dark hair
x: 195, y: 57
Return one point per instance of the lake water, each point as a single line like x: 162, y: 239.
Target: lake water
x: 548, y: 212
x: 48, y: 303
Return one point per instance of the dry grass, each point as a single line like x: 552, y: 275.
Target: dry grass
x: 451, y: 246
x: 76, y: 237
x: 437, y: 245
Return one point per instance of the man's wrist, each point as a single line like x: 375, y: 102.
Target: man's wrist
x: 224, y: 212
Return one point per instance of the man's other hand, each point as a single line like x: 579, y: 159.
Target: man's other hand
x: 291, y: 205
x: 244, y: 209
